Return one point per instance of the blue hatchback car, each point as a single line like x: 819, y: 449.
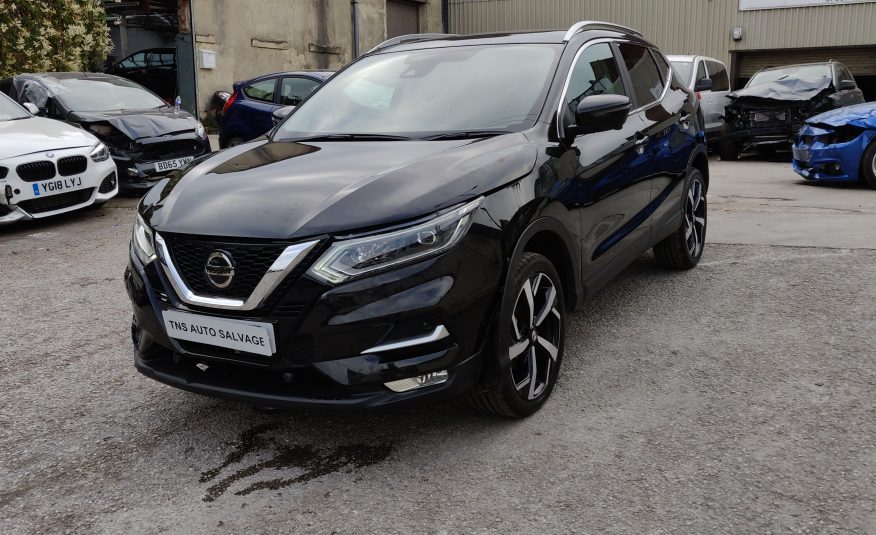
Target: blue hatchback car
x: 839, y: 145
x: 247, y: 114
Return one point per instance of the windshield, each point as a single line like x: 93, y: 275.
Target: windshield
x: 106, y: 95
x: 683, y: 70
x: 440, y: 90
x: 794, y: 71
x: 9, y: 110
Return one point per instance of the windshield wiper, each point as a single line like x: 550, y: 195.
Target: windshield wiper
x: 470, y: 134
x: 353, y: 137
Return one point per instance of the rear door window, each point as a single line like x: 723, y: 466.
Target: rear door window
x: 294, y: 89
x: 263, y: 90
x: 647, y: 82
x: 718, y: 74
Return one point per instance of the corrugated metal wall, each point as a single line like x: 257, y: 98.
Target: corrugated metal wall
x: 680, y: 26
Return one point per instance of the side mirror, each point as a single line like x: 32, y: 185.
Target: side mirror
x: 847, y: 85
x: 32, y: 108
x: 704, y: 85
x: 599, y: 113
x: 281, y: 113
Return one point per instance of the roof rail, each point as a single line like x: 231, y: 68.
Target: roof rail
x: 410, y: 38
x: 596, y: 25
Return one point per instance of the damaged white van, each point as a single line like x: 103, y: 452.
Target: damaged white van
x: 48, y: 167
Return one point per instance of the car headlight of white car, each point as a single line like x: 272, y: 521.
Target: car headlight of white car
x: 347, y: 259
x: 143, y: 241
x: 200, y: 131
x: 100, y: 153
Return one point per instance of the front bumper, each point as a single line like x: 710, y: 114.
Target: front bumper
x: 819, y: 157
x: 324, y: 334
x: 23, y: 198
x: 137, y: 167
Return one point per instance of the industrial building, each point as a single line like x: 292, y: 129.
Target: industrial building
x: 746, y: 34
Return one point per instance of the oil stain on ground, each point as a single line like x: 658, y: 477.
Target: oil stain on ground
x: 311, y: 461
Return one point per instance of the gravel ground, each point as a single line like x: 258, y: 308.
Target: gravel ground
x: 735, y: 398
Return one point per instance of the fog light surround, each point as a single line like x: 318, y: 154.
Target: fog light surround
x: 422, y: 381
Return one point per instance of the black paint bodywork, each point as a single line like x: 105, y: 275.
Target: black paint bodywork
x: 136, y: 138
x: 590, y: 204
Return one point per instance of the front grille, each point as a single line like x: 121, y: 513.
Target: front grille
x: 300, y: 349
x: 108, y: 184
x: 168, y: 150
x: 56, y: 202
x: 33, y: 171
x: 251, y: 262
x: 72, y: 165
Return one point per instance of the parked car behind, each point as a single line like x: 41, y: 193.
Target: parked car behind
x: 247, y: 114
x: 48, y: 167
x: 839, y: 145
x: 146, y: 137
x: 422, y: 225
x: 708, y: 78
x: 153, y: 68
x: 769, y: 111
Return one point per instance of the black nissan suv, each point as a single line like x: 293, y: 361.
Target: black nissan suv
x: 422, y: 224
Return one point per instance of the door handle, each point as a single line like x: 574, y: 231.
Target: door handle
x: 640, y: 141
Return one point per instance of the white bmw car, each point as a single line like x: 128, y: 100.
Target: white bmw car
x: 48, y: 167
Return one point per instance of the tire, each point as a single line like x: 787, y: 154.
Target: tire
x: 868, y: 166
x: 529, y: 334
x: 729, y: 150
x: 684, y: 248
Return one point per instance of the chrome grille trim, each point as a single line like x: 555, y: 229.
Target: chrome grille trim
x: 282, y: 266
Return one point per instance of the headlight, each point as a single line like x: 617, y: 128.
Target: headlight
x: 142, y: 239
x: 347, y: 259
x: 200, y: 131
x: 100, y: 153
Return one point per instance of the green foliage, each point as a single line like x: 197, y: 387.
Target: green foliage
x: 52, y: 35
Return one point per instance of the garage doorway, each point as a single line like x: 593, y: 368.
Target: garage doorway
x: 861, y: 60
x: 402, y: 18
x: 153, y: 47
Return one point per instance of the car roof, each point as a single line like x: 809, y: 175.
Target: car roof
x: 73, y: 75
x: 685, y: 58
x: 797, y: 65
x: 321, y: 74
x: 559, y: 37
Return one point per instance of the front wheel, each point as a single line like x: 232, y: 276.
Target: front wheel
x: 868, y: 166
x: 729, y: 150
x: 528, y: 342
x: 684, y: 248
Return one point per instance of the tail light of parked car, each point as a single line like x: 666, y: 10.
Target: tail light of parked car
x: 229, y: 102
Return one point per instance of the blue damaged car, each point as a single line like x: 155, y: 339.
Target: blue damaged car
x: 839, y: 145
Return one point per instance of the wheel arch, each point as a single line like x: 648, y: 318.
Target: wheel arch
x: 699, y: 159
x: 547, y: 237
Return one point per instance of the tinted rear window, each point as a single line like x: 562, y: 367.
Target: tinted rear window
x: 647, y: 82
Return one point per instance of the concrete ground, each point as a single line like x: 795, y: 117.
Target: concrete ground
x: 739, y: 397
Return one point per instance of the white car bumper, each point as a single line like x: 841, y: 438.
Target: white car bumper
x: 44, y: 184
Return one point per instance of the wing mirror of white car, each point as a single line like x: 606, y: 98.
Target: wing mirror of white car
x: 32, y: 108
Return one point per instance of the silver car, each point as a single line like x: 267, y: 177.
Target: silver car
x: 708, y: 78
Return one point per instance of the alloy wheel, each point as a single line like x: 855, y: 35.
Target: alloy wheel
x: 695, y: 218
x: 536, y: 328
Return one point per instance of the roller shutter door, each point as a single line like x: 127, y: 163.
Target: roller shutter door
x: 860, y: 60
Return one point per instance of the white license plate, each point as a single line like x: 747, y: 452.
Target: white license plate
x: 249, y: 336
x: 801, y: 155
x: 169, y: 165
x: 50, y: 187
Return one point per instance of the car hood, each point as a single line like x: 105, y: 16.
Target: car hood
x: 286, y: 190
x: 36, y: 134
x: 138, y: 124
x: 789, y: 89
x: 860, y: 115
